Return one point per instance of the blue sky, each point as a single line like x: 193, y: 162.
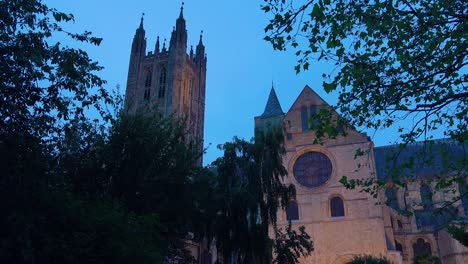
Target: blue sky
x: 241, y: 65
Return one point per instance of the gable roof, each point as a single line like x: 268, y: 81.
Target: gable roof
x: 273, y: 107
x: 306, y: 93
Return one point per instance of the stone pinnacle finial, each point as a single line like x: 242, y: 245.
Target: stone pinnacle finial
x: 201, y: 37
x: 181, y: 15
x: 141, y: 22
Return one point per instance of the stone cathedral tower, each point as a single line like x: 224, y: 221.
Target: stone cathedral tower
x: 169, y: 80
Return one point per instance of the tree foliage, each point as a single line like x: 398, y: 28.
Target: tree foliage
x: 250, y: 192
x: 399, y: 63
x: 394, y: 59
x: 44, y: 83
x: 54, y: 197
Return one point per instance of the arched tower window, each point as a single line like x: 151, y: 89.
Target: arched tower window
x: 162, y: 83
x: 398, y: 246
x: 337, y: 207
x: 292, y: 211
x: 422, y: 247
x: 304, y: 119
x: 148, y: 79
x: 426, y: 197
x: 146, y: 94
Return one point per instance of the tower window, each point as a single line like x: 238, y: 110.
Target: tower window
x: 337, y: 207
x: 398, y: 246
x: 292, y: 211
x: 148, y: 79
x: 304, y: 118
x: 162, y: 83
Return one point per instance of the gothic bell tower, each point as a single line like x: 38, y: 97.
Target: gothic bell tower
x: 169, y: 80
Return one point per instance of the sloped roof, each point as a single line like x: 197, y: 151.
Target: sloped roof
x: 422, y: 159
x: 273, y: 107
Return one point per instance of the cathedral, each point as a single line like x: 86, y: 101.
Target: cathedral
x: 342, y: 223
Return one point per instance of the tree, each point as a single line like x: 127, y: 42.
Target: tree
x: 53, y: 209
x: 394, y: 60
x: 44, y: 86
x: 152, y: 167
x: 250, y: 194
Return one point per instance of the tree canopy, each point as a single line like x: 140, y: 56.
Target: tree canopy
x: 397, y: 64
x: 403, y: 59
x: 250, y: 192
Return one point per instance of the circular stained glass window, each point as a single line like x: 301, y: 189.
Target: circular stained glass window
x: 312, y: 169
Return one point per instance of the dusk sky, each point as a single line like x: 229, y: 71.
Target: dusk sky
x: 241, y: 65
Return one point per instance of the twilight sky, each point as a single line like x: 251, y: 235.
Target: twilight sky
x: 241, y: 65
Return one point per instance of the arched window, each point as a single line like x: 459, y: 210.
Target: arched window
x: 398, y: 246
x: 422, y: 247
x: 148, y: 79
x: 337, y: 207
x: 146, y: 94
x: 400, y: 225
x: 304, y: 119
x: 292, y: 211
x: 162, y: 83
x: 426, y: 197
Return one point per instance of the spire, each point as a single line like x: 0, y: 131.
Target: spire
x: 141, y: 22
x: 273, y: 107
x: 181, y: 15
x: 156, y: 50
x: 191, y: 52
x: 164, y: 46
x: 200, y: 43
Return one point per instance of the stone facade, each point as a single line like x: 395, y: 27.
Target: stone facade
x: 169, y: 80
x: 361, y: 224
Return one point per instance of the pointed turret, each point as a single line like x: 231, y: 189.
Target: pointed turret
x: 179, y: 34
x: 156, y: 49
x: 137, y: 56
x: 272, y: 115
x: 273, y: 107
x: 139, y: 41
x: 200, y: 55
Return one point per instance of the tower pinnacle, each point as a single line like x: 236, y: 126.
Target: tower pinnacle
x: 141, y: 22
x: 181, y: 15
